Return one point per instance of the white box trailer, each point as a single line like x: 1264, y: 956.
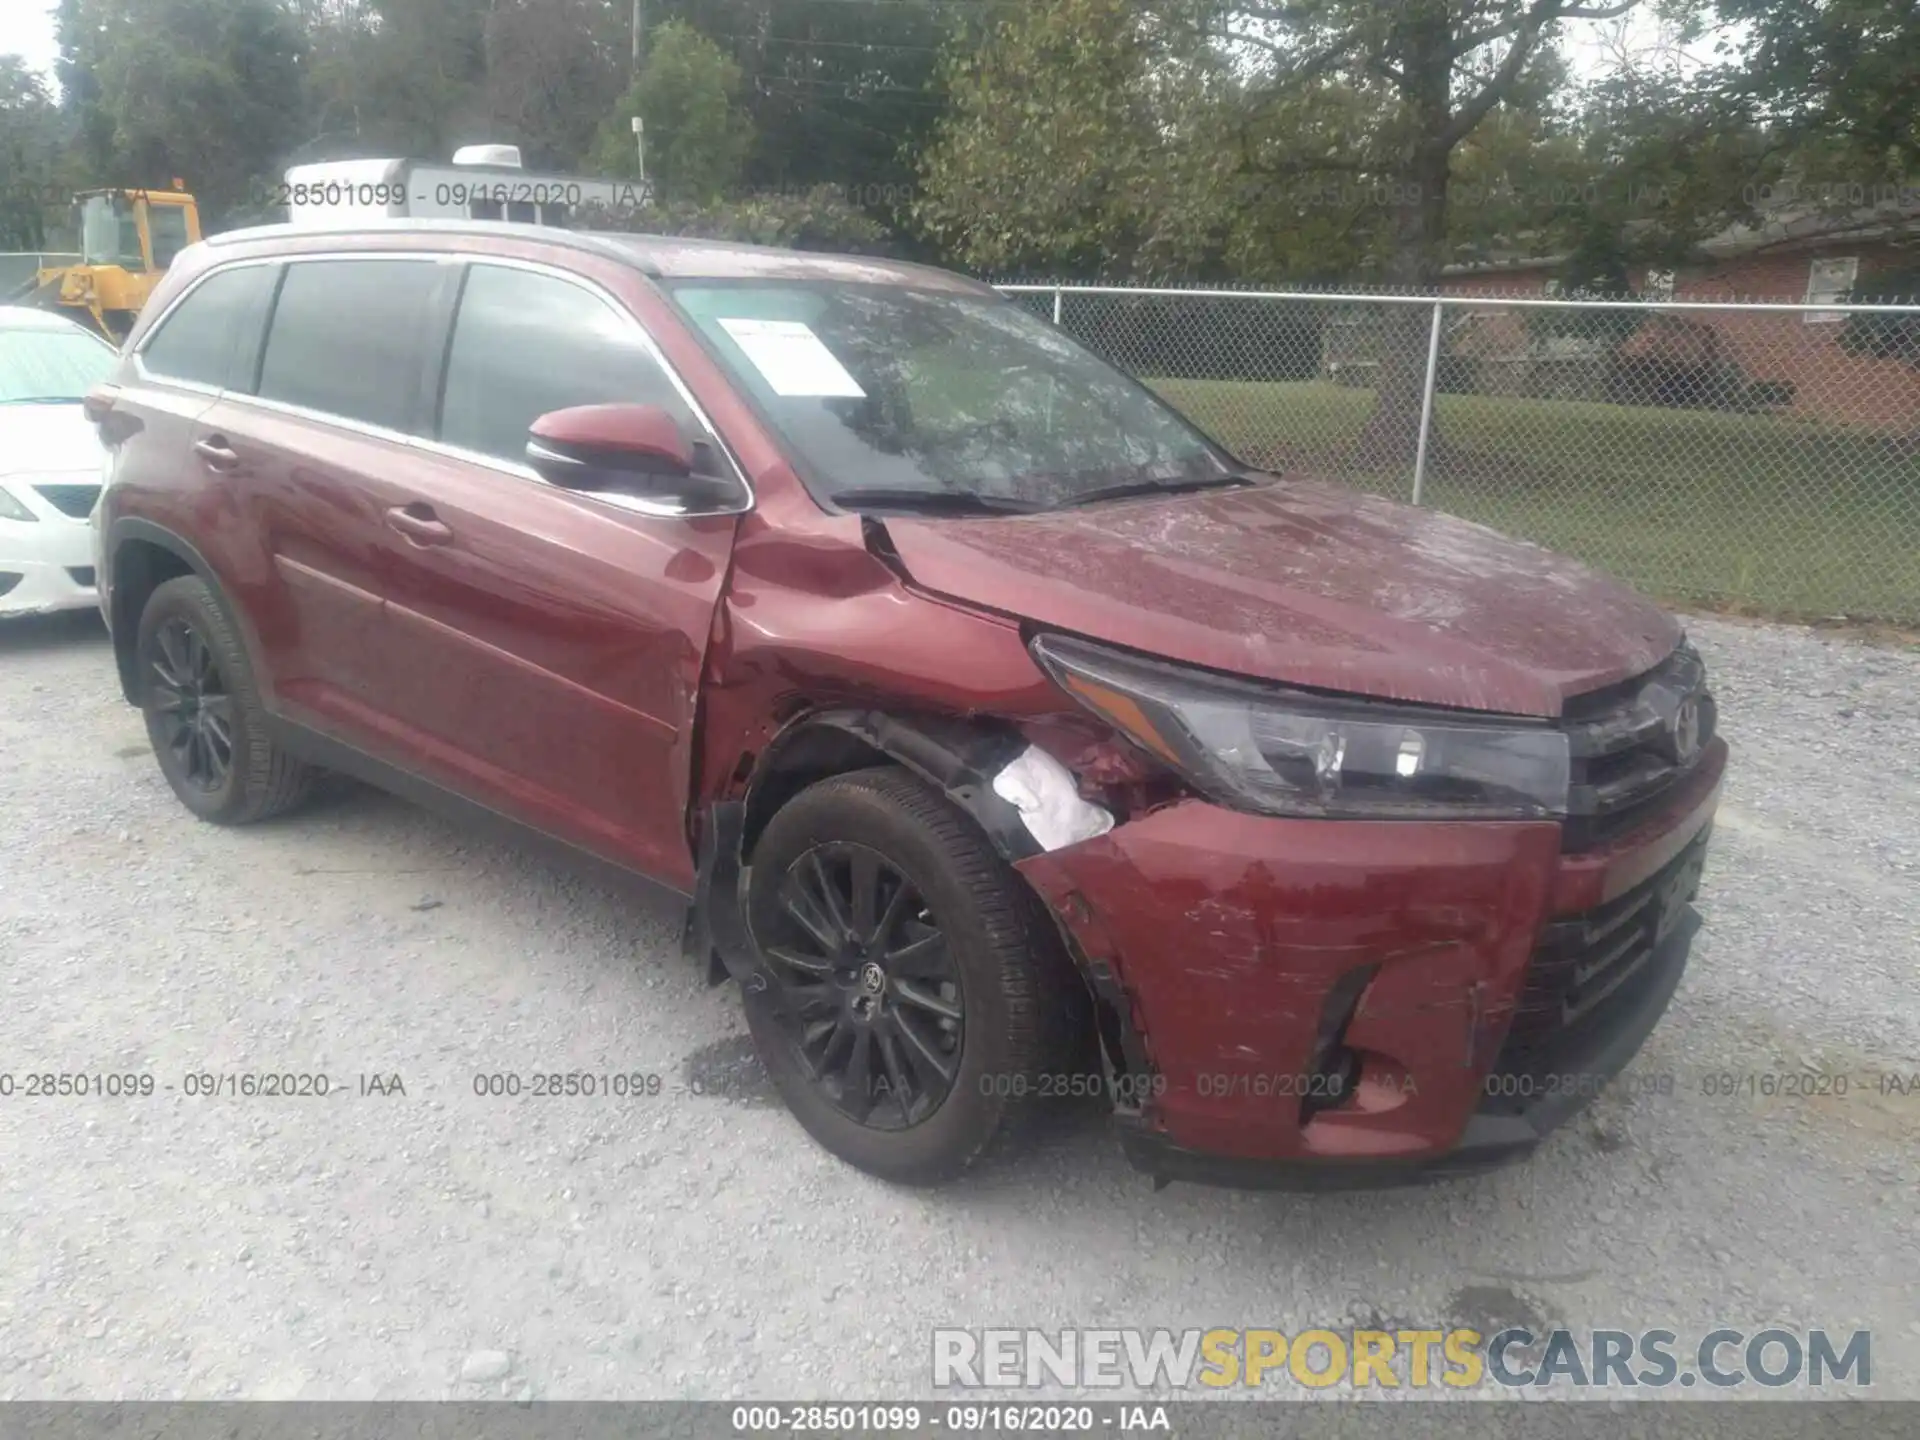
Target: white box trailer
x: 484, y: 182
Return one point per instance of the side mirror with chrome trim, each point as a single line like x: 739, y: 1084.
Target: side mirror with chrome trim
x: 637, y: 451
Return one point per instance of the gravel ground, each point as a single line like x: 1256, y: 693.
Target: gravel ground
x: 385, y: 1245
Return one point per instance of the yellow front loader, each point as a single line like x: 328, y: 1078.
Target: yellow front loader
x: 127, y: 240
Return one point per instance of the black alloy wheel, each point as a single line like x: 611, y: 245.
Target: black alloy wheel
x: 870, y: 995
x: 911, y: 991
x: 188, y: 696
x: 201, y: 703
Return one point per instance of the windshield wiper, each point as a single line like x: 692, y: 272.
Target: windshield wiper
x: 1159, y: 487
x: 41, y: 400
x: 933, y: 502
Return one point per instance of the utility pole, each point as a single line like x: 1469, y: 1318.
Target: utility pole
x: 639, y: 126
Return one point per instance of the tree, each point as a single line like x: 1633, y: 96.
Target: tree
x: 391, y: 77
x: 696, y: 138
x: 1345, y: 119
x: 1440, y: 70
x: 809, y: 220
x: 844, y: 95
x: 1845, y: 73
x: 553, y: 70
x: 1085, y: 139
x: 198, y: 89
x: 30, y: 145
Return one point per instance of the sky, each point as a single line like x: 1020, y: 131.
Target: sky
x: 26, y: 28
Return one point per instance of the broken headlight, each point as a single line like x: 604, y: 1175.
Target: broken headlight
x: 1295, y: 752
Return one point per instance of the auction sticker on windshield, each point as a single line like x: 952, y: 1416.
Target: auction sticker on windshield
x: 794, y: 360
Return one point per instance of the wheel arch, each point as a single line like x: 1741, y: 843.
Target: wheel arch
x: 957, y: 756
x: 141, y: 556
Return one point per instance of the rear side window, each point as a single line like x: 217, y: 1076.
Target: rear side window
x: 526, y: 343
x: 348, y: 339
x: 212, y: 336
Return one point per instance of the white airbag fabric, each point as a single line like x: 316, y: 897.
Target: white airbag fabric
x: 1043, y: 791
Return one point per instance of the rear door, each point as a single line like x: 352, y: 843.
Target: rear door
x: 549, y: 644
x: 159, y: 466
x: 318, y: 439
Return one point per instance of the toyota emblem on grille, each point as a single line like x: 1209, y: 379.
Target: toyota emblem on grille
x: 1686, y: 730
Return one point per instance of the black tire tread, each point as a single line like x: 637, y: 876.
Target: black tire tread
x: 1034, y: 977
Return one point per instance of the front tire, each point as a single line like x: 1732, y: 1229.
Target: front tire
x: 918, y: 991
x: 203, y: 711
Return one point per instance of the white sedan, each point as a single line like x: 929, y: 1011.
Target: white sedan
x: 50, y: 461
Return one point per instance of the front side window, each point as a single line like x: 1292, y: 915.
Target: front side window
x: 936, y: 395
x: 526, y: 343
x: 349, y: 338
x: 51, y: 367
x: 109, y: 234
x: 211, y: 337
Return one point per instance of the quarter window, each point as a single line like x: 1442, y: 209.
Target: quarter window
x: 348, y: 338
x: 525, y: 344
x: 213, y: 335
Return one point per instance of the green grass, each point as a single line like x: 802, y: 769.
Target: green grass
x: 1757, y: 514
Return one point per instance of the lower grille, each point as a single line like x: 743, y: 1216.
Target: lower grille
x: 9, y: 579
x: 74, y: 500
x: 1587, y: 971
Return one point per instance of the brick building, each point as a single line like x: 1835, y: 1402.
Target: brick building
x: 1786, y: 363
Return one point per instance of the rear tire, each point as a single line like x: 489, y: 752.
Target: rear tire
x: 948, y: 976
x: 203, y: 712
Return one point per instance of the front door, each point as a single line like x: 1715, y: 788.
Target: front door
x: 548, y: 645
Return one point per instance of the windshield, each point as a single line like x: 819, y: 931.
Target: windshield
x: 51, y: 366
x: 916, y: 395
x: 109, y: 234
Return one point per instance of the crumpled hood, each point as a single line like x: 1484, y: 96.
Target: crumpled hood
x: 1308, y: 584
x: 48, y: 440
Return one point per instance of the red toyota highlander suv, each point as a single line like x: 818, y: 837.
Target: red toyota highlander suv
x: 1006, y: 737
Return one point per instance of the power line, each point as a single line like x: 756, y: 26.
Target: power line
x: 847, y: 85
x: 844, y: 94
x: 809, y: 42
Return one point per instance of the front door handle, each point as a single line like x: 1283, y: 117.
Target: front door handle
x: 419, y: 524
x: 216, y: 454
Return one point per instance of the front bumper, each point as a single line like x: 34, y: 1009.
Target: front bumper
x: 46, y: 563
x: 33, y: 587
x: 1489, y: 1141
x: 1237, y: 954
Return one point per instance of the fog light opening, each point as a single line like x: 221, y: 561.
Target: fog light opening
x: 1333, y: 1084
x: 1334, y: 1073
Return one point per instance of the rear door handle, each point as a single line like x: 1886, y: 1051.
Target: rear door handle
x: 419, y: 524
x: 216, y: 454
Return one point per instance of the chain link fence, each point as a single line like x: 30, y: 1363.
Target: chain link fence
x: 1755, y: 457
